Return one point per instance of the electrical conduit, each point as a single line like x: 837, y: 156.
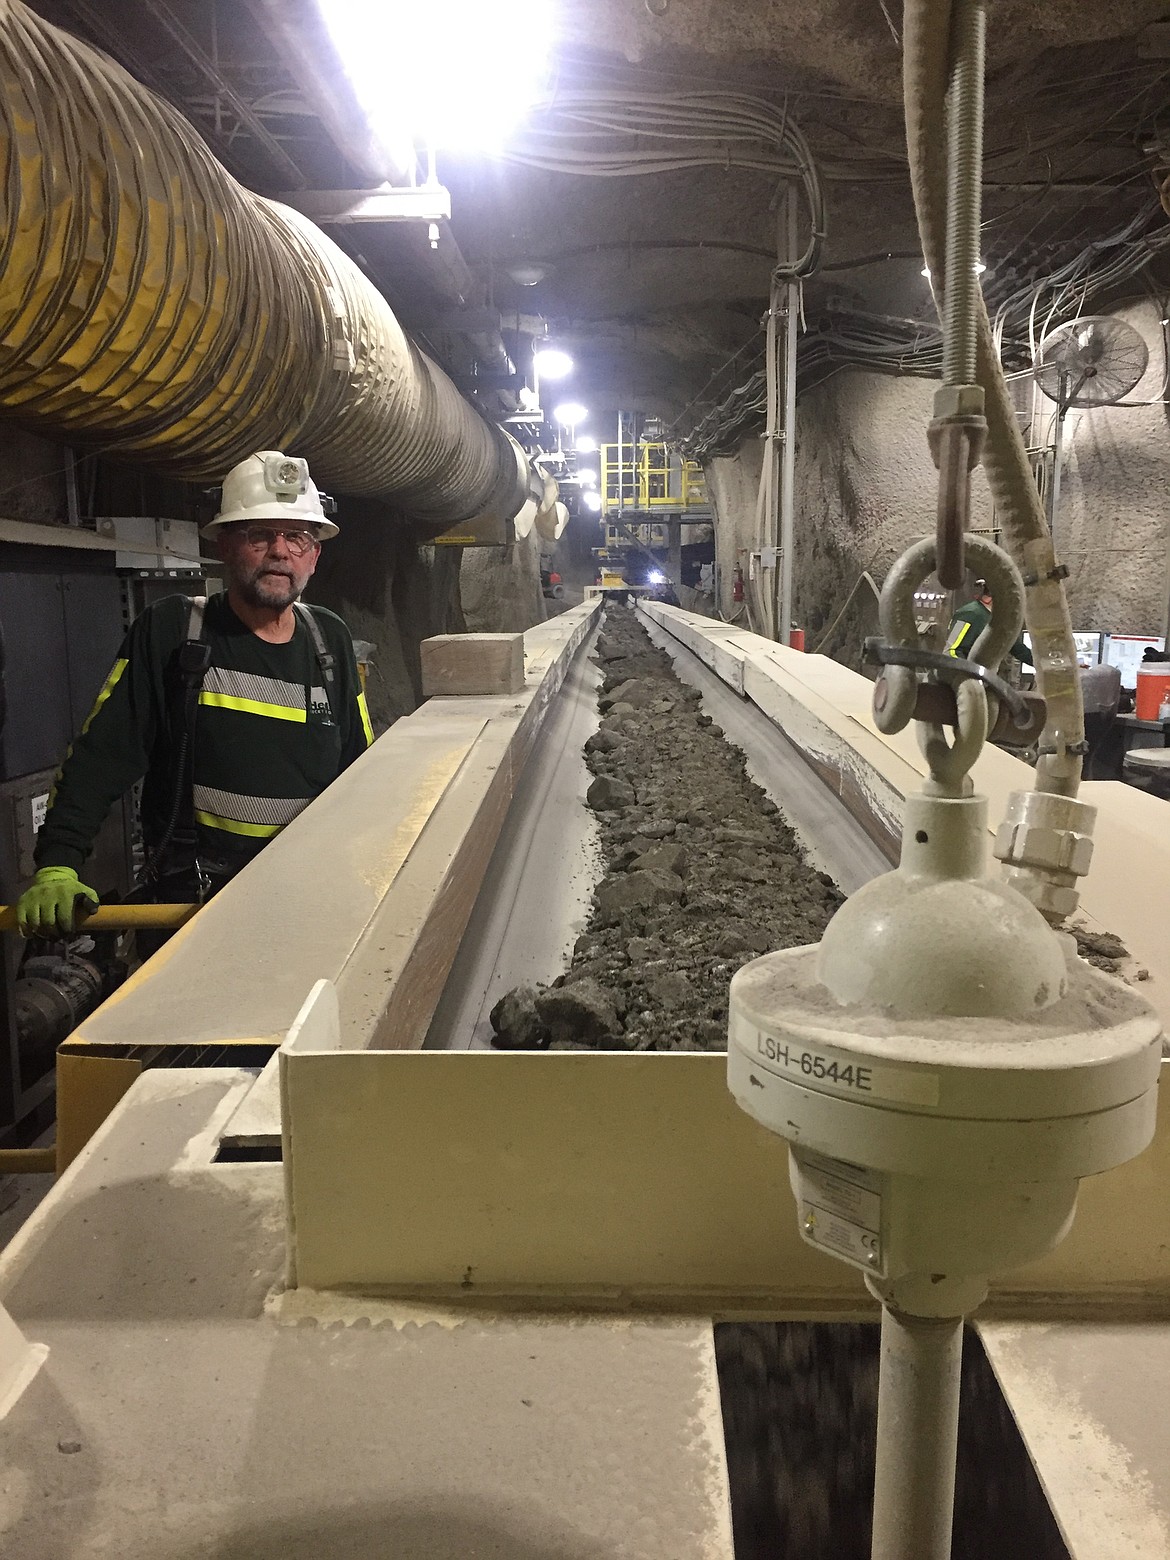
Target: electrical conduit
x: 927, y: 44
x: 153, y: 307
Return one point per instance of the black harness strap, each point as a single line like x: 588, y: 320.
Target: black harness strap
x: 325, y: 660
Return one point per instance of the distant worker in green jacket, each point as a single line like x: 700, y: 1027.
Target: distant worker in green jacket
x: 238, y: 710
x: 970, y: 621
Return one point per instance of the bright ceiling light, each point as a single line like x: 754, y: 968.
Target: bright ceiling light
x: 553, y: 364
x: 569, y: 413
x: 587, y: 444
x: 460, y: 74
x: 529, y: 400
x: 588, y: 477
x: 591, y: 501
x: 980, y: 267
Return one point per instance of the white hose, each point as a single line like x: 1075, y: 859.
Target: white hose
x: 926, y: 61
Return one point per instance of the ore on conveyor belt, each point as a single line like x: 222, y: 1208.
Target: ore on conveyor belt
x: 799, y: 1404
x: 702, y: 873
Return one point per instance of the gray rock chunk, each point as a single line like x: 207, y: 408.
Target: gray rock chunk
x: 583, y: 1012
x: 639, y: 949
x: 729, y: 835
x: 731, y: 943
x: 617, y: 896
x: 603, y: 742
x: 666, y: 857
x: 671, y: 989
x: 610, y: 793
x: 634, y: 692
x: 517, y: 1025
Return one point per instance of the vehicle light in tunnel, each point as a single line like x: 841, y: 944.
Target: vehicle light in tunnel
x: 656, y: 577
x: 457, y: 54
x: 591, y: 500
x: 552, y: 363
x: 569, y: 413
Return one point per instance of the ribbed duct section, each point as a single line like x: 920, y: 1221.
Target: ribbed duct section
x: 153, y: 308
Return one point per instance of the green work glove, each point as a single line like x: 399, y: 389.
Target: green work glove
x: 49, y: 906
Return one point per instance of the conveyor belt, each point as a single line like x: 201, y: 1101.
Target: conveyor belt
x: 537, y: 889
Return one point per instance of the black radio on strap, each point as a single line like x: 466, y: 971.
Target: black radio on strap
x: 325, y: 660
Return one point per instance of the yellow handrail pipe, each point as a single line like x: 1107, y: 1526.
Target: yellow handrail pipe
x: 119, y: 918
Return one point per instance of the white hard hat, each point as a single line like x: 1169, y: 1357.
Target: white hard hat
x: 271, y: 486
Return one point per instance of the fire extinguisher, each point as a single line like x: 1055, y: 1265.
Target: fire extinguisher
x: 737, y: 584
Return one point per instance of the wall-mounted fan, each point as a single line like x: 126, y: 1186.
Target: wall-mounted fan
x: 1089, y: 362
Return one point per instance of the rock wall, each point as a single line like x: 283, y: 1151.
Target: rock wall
x: 32, y: 478
x: 394, y: 592
x: 499, y: 587
x: 733, y: 483
x: 866, y: 485
x: 1112, y: 523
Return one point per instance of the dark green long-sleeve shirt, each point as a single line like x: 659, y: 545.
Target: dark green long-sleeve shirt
x: 969, y: 622
x: 265, y: 742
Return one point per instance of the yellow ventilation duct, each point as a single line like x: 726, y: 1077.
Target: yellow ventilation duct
x: 152, y: 307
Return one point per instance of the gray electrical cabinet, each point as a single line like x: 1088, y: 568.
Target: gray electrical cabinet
x: 63, y: 616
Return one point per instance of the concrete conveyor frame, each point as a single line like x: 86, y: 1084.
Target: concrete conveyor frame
x: 475, y: 1188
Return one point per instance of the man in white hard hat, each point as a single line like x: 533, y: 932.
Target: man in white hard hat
x: 238, y: 710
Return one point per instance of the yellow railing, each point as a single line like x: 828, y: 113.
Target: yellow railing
x: 649, y: 477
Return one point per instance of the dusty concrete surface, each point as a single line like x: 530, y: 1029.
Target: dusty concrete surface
x: 174, y: 1419
x: 499, y: 587
x: 800, y: 1417
x: 702, y: 873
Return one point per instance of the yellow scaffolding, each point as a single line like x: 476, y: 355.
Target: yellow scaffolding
x: 648, y: 477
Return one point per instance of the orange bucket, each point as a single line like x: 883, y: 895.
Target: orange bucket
x: 1153, y: 685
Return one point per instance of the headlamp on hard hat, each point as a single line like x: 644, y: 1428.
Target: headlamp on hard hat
x: 286, y: 476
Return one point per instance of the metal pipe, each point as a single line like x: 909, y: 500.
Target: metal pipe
x: 965, y: 170
x: 788, y: 453
x: 926, y: 61
x: 214, y: 77
x: 28, y: 1161
x: 153, y: 307
x: 119, y: 918
x: 917, y: 1437
x: 768, y: 531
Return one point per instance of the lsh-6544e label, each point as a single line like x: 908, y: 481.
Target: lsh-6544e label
x: 840, y: 1075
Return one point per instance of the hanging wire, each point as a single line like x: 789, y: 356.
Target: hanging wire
x: 614, y: 132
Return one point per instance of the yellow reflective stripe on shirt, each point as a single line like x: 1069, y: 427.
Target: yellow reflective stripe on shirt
x: 256, y: 831
x: 108, y: 687
x: 227, y: 701
x: 958, y: 636
x: 364, y: 712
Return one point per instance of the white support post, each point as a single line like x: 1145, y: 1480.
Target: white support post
x: 917, y: 1437
x: 788, y: 428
